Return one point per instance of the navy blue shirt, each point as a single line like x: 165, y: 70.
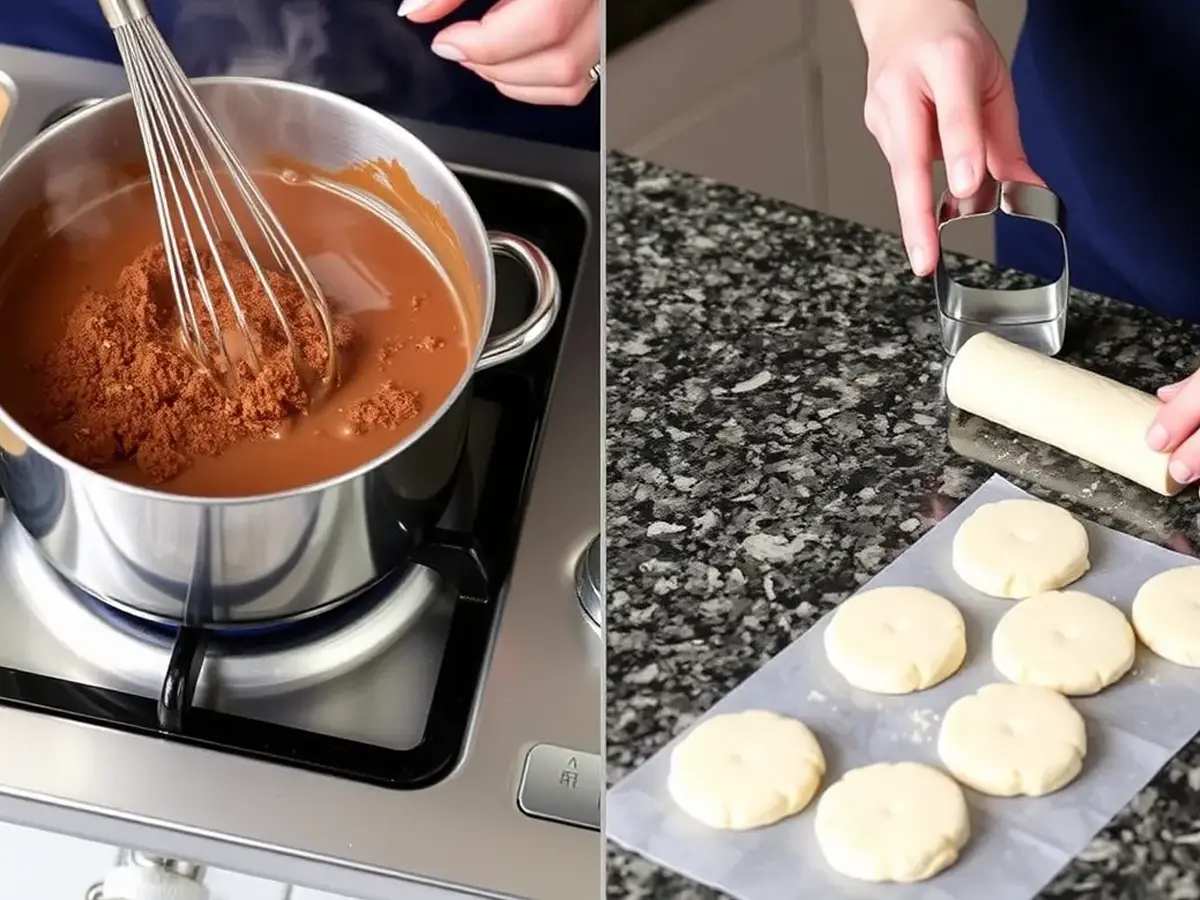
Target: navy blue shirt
x: 358, y: 48
x: 1109, y: 103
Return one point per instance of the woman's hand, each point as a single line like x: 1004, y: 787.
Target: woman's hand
x: 937, y: 87
x: 1175, y: 428
x: 536, y: 51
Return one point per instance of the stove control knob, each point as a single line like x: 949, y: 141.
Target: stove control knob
x: 589, y: 584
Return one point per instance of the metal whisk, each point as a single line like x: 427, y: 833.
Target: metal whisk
x: 185, y: 151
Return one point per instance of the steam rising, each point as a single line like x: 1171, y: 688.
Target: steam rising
x: 289, y: 44
x: 358, y: 48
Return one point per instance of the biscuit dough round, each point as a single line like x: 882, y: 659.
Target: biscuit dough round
x: 1068, y: 641
x: 1018, y: 548
x: 892, y: 822
x: 1166, y: 615
x: 745, y: 770
x: 1013, y: 739
x: 896, y: 640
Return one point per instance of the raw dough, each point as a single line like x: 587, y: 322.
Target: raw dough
x: 1166, y: 615
x: 892, y: 822
x: 1068, y: 641
x: 745, y: 770
x: 1018, y: 548
x: 896, y: 640
x: 1010, y: 739
x: 1086, y: 414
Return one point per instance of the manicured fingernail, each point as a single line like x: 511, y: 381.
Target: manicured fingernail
x: 1180, y: 472
x: 1157, y: 437
x: 408, y: 7
x: 918, y: 259
x: 1170, y: 390
x: 445, y: 51
x: 962, y: 176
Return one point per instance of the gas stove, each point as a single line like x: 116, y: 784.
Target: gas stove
x: 417, y: 740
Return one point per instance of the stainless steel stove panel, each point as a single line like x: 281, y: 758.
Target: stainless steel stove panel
x: 371, y: 681
x: 543, y: 683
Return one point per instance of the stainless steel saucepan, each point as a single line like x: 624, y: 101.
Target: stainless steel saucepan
x: 232, y: 562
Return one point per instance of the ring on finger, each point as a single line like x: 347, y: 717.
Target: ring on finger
x: 594, y: 74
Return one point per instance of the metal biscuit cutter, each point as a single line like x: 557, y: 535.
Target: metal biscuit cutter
x: 1032, y: 317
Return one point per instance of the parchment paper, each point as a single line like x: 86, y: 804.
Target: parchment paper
x: 1018, y: 844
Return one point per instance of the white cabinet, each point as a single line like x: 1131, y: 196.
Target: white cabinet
x: 41, y: 865
x: 37, y: 865
x: 234, y: 886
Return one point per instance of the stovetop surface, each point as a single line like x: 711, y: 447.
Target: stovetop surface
x: 380, y: 689
x: 241, y: 774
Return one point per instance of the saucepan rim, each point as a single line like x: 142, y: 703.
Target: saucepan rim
x: 377, y: 120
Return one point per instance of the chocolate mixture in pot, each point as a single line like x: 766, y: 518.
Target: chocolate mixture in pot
x: 90, y: 359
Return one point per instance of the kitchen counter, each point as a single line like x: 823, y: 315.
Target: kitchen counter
x: 776, y: 436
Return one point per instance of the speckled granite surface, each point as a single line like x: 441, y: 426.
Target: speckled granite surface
x: 776, y: 436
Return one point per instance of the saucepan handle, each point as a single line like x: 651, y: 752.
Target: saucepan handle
x: 510, y: 344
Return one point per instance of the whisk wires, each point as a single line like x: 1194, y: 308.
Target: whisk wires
x: 182, y: 142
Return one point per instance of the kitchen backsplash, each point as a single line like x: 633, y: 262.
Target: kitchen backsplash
x: 628, y: 20
x: 766, y: 96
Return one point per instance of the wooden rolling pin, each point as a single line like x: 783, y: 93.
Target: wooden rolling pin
x: 1085, y: 414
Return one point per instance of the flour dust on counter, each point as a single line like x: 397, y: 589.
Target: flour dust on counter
x: 736, y: 519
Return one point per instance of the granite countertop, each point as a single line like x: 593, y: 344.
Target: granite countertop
x: 776, y: 436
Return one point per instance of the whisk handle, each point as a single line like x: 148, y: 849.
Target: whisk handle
x: 123, y: 12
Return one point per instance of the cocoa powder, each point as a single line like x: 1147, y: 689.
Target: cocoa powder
x: 388, y: 407
x: 119, y: 386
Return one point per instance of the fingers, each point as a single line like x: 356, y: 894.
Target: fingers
x: 1185, y: 461
x: 560, y: 75
x: 1180, y: 544
x: 899, y: 116
x: 1006, y: 160
x: 953, y: 77
x: 516, y: 29
x: 547, y: 96
x: 427, y: 10
x: 1168, y: 391
x: 1174, y: 431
